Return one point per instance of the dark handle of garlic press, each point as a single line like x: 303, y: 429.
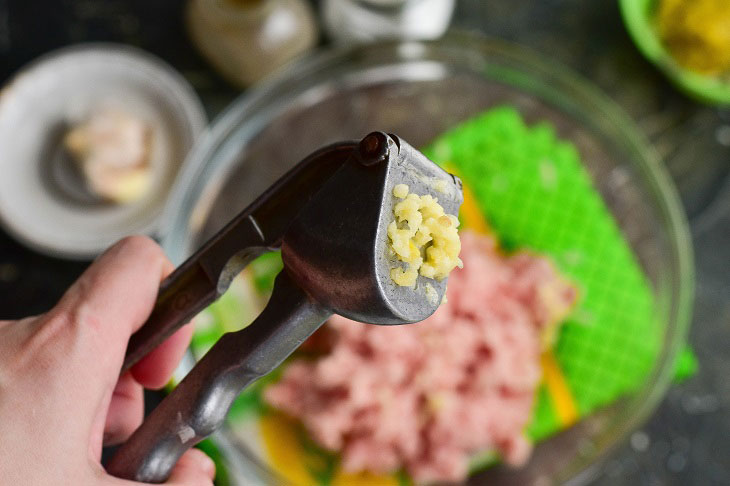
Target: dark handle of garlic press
x: 199, y: 404
x: 206, y: 274
x: 182, y: 295
x: 188, y: 290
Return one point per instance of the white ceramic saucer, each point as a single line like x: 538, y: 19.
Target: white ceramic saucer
x: 42, y: 203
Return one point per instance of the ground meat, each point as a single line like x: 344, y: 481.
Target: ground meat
x: 426, y: 397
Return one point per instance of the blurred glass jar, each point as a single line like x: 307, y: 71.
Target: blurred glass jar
x: 362, y: 21
x: 246, y: 40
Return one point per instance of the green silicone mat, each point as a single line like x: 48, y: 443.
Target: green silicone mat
x: 535, y: 193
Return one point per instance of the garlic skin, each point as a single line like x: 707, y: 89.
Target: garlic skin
x: 112, y: 151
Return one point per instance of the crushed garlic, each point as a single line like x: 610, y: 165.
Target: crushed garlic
x: 423, y: 237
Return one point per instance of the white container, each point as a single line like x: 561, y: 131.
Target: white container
x: 363, y: 21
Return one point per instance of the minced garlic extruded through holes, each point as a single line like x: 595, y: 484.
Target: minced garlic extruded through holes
x: 432, y: 295
x: 422, y: 236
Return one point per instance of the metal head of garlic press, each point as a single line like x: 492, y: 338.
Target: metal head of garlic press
x: 337, y: 248
x: 334, y: 245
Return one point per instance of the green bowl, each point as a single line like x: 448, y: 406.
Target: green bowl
x: 638, y: 17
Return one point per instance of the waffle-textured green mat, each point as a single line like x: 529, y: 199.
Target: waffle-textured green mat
x: 535, y: 193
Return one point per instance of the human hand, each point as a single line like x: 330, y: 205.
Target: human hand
x: 61, y: 396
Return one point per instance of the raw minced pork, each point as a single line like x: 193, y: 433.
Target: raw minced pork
x: 427, y: 397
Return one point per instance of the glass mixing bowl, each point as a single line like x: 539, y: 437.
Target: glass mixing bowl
x: 418, y: 90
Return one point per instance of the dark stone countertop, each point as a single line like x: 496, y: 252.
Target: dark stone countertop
x: 685, y: 442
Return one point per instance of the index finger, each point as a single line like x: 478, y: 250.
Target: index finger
x: 112, y: 299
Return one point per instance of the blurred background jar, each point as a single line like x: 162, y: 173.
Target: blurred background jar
x: 361, y: 21
x: 245, y: 40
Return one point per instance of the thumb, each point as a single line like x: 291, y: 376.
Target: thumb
x: 193, y: 469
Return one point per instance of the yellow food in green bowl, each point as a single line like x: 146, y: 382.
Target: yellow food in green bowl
x: 697, y: 33
x: 689, y: 40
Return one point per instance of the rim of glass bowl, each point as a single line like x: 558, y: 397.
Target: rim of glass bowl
x: 523, y: 70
